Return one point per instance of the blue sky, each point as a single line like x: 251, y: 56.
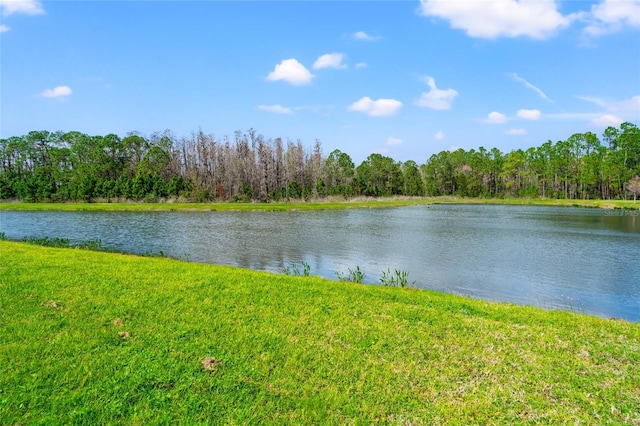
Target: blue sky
x: 406, y: 78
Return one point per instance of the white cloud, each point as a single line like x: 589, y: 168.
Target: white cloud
x: 4, y: 28
x: 529, y: 114
x: 28, y: 7
x: 436, y: 98
x: 361, y: 65
x: 361, y: 35
x: 528, y: 85
x: 578, y: 116
x: 515, y: 132
x: 607, y: 120
x: 330, y: 60
x: 626, y: 105
x: 602, y: 120
x: 57, y: 92
x: 538, y: 19
x: 453, y: 148
x: 598, y: 101
x: 291, y: 71
x: 613, y: 15
x: 377, y: 108
x: 276, y: 109
x: 612, y: 113
x: 393, y: 141
x: 496, y: 118
x: 439, y: 136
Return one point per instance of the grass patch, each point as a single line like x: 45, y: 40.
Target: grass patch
x: 278, y: 206
x: 360, y: 203
x: 103, y: 338
x: 603, y: 204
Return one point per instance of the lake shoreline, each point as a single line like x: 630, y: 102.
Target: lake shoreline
x: 123, y: 338
x: 532, y: 254
x: 356, y: 203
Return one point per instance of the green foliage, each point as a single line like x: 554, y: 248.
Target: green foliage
x: 412, y: 180
x: 304, y: 270
x: 47, y: 242
x: 294, y: 190
x: 43, y: 166
x: 95, y: 244
x: 578, y: 168
x: 352, y: 275
x: 155, y: 162
x: 397, y: 278
x: 62, y: 243
x: 379, y: 176
x: 339, y: 172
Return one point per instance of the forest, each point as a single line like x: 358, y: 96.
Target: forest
x: 73, y: 166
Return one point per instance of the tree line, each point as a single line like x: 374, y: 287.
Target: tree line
x: 73, y: 166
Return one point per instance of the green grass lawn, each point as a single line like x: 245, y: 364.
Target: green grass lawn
x: 358, y: 203
x: 102, y: 338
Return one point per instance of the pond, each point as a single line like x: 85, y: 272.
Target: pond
x: 583, y: 260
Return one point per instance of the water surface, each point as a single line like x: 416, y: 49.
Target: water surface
x: 584, y: 260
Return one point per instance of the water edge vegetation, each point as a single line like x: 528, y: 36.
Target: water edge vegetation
x: 94, y: 337
x: 311, y: 205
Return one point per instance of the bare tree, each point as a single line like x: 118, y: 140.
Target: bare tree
x: 633, y: 186
x: 278, y: 175
x: 264, y: 167
x: 316, y: 170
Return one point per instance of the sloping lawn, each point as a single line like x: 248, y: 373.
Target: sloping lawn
x: 101, y: 338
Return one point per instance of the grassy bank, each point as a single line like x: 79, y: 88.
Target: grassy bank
x: 283, y: 206
x: 92, y: 338
x: 315, y: 205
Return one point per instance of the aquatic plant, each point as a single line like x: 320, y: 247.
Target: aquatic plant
x: 295, y: 270
x: 352, y: 275
x: 398, y: 278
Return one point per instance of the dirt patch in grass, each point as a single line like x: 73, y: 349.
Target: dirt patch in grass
x: 50, y: 304
x: 210, y: 363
